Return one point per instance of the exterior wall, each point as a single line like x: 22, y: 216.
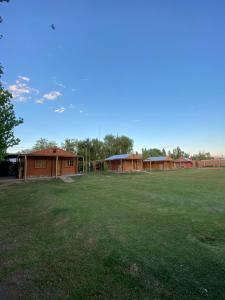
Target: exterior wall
x: 65, y: 170
x: 183, y: 164
x: 132, y: 165
x: 158, y: 165
x: 127, y: 165
x: 49, y: 171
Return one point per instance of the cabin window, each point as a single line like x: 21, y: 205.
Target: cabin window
x: 40, y: 163
x: 69, y: 163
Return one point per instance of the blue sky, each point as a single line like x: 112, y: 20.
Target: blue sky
x: 152, y: 70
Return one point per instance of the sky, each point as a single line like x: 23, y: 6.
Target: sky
x: 153, y: 70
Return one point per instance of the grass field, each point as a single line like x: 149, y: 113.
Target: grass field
x: 131, y: 236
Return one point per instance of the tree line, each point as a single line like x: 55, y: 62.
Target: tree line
x: 95, y: 149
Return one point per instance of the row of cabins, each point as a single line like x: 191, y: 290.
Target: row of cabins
x: 134, y: 162
x: 54, y: 162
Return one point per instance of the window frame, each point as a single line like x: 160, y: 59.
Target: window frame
x: 69, y: 163
x: 40, y: 164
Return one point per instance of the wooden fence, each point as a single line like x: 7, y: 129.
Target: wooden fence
x: 216, y: 163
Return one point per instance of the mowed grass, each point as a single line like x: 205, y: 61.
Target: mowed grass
x: 131, y: 236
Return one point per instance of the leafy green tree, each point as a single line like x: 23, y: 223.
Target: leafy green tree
x: 97, y: 150
x: 117, y: 144
x: 152, y: 152
x: 44, y: 144
x: 8, y: 121
x: 202, y: 156
x: 70, y: 145
x: 178, y: 153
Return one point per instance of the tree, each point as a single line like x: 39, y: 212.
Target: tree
x: 202, y: 156
x: 8, y: 121
x: 152, y: 152
x: 44, y: 144
x: 70, y: 145
x: 178, y: 153
x: 117, y: 145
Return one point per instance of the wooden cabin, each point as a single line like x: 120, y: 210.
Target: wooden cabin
x: 158, y: 163
x: 182, y: 162
x: 124, y: 163
x: 51, y: 162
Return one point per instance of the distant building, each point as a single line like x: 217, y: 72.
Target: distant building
x: 124, y: 163
x: 158, y: 163
x: 183, y: 163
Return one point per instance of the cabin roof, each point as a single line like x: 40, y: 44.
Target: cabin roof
x: 123, y: 156
x: 53, y: 152
x: 158, y: 158
x: 183, y: 159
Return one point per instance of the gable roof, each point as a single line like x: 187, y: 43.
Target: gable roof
x: 124, y: 156
x: 158, y: 158
x: 54, y: 151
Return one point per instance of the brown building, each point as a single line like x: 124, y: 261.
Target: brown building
x: 182, y: 162
x: 51, y: 162
x: 158, y: 163
x: 124, y: 163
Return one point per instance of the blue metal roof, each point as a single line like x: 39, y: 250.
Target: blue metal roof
x: 118, y: 156
x: 157, y: 158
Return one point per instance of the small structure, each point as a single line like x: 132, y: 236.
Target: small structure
x: 158, y: 163
x: 51, y: 162
x: 124, y: 163
x: 9, y: 166
x: 182, y: 162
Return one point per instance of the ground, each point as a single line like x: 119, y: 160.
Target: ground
x: 131, y: 236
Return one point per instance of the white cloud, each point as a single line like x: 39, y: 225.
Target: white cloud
x: 40, y: 101
x: 52, y: 95
x: 21, y: 92
x: 81, y: 111
x: 60, y: 110
x: 25, y: 78
x: 59, y: 84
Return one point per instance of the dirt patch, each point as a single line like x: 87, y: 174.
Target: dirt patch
x: 66, y: 179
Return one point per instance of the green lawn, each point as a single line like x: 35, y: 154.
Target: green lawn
x: 131, y: 236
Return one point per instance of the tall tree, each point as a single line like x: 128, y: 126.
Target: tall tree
x: 202, y: 156
x: 70, y: 145
x: 178, y: 153
x: 8, y: 120
x: 44, y: 144
x: 152, y: 152
x: 117, y: 144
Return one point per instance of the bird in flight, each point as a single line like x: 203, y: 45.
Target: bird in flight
x: 53, y: 26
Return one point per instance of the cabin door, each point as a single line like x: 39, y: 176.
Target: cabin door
x: 135, y: 166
